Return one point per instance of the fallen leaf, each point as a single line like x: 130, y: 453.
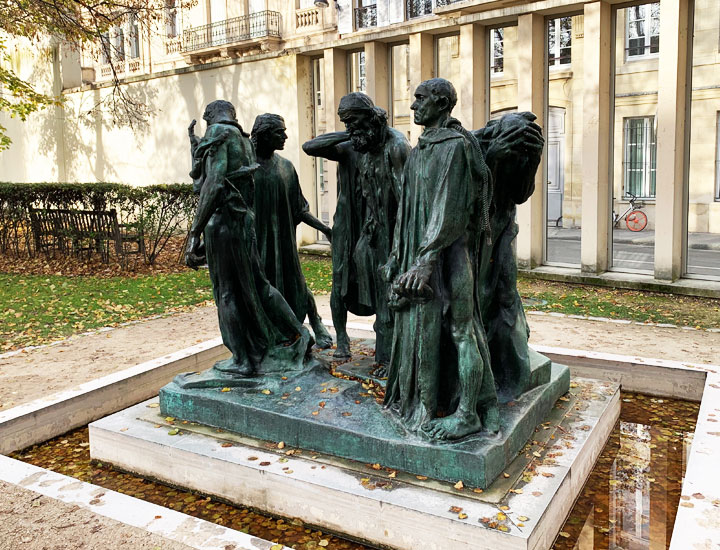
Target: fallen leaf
x: 323, y: 542
x: 173, y: 432
x: 277, y: 547
x: 455, y: 509
x: 523, y: 518
x: 687, y: 504
x: 226, y: 445
x: 265, y: 464
x: 462, y: 516
x: 501, y: 517
x: 153, y: 405
x: 421, y: 478
x: 281, y: 445
x: 266, y: 392
x: 504, y: 508
x: 392, y: 475
x: 376, y: 466
x: 564, y: 534
x: 477, y: 490
x: 506, y: 475
x: 225, y: 390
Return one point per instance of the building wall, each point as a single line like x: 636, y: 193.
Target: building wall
x: 276, y: 75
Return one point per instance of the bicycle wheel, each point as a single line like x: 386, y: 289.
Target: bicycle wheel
x: 636, y: 220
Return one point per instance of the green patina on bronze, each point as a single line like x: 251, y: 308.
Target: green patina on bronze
x: 274, y: 409
x: 370, y: 157
x: 279, y: 208
x: 422, y: 238
x: 256, y: 323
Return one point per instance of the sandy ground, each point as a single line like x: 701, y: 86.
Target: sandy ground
x: 29, y: 521
x: 33, y: 522
x: 38, y: 373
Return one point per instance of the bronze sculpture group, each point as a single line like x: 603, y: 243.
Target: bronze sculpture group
x: 421, y: 237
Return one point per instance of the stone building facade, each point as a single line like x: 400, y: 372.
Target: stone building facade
x: 628, y: 95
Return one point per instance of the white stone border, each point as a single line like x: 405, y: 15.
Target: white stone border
x: 616, y: 321
x: 49, y: 417
x: 156, y: 519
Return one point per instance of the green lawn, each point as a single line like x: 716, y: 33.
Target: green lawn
x: 37, y: 309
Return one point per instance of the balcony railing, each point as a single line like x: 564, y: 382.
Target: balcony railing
x: 418, y: 8
x: 247, y: 27
x: 365, y: 17
x: 442, y: 3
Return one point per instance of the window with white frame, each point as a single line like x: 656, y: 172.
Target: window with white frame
x: 639, y: 160
x: 717, y: 159
x: 559, y: 41
x: 497, y: 50
x: 134, y: 37
x: 105, y: 48
x: 172, y: 28
x: 117, y: 37
x: 642, y: 30
x: 356, y: 72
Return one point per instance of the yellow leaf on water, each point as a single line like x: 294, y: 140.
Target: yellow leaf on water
x: 225, y: 389
x: 266, y: 392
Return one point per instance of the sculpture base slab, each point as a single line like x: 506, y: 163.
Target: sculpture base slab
x: 317, y: 411
x: 362, y: 503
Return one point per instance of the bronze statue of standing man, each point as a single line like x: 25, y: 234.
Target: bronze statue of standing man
x: 279, y: 208
x: 256, y: 323
x: 370, y: 157
x: 440, y: 380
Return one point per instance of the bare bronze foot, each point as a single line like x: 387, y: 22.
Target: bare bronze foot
x: 380, y: 371
x: 491, y: 419
x: 343, y: 348
x: 323, y: 340
x: 454, y: 426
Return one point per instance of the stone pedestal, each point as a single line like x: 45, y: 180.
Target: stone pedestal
x: 523, y: 509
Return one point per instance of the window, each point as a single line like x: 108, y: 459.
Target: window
x: 717, y: 159
x: 642, y: 33
x: 559, y: 41
x: 118, y: 44
x: 497, y: 50
x: 639, y: 158
x: 134, y: 37
x: 171, y: 19
x: 105, y: 48
x: 356, y: 72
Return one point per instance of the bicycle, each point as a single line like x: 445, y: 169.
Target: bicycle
x: 635, y: 219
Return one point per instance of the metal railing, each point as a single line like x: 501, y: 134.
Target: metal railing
x: 417, y: 8
x: 441, y: 3
x: 365, y: 17
x: 237, y: 29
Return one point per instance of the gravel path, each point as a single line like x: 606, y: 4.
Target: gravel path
x: 29, y: 522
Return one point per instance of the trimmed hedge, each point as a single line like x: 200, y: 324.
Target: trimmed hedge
x: 156, y: 212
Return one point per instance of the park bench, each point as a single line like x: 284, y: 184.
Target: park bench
x: 83, y: 231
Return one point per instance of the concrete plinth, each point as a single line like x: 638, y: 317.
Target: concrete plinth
x: 523, y: 509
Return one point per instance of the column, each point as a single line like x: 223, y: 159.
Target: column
x: 305, y: 164
x: 376, y: 73
x: 596, y: 106
x: 421, y: 68
x: 531, y: 84
x: 335, y: 86
x: 672, y: 153
x: 472, y: 92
